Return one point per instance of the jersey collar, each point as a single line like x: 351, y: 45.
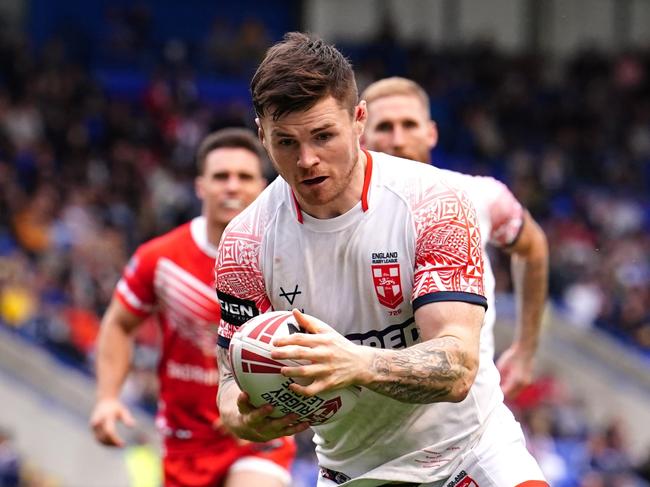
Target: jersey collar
x: 364, y: 192
x: 199, y: 231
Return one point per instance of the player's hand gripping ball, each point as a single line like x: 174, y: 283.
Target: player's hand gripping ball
x: 259, y: 375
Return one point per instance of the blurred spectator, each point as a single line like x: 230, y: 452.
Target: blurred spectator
x: 9, y: 462
x: 571, y: 451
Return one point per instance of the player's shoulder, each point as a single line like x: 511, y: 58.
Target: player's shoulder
x: 412, y: 180
x: 476, y: 184
x: 394, y: 170
x: 168, y: 243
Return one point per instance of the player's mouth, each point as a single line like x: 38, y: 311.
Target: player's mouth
x: 314, y: 181
x: 232, y: 204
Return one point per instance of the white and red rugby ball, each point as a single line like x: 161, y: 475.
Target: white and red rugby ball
x: 259, y: 375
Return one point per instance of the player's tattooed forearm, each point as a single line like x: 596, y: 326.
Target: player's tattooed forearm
x: 421, y: 374
x: 381, y: 365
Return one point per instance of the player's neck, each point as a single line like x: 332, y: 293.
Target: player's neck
x: 214, y: 232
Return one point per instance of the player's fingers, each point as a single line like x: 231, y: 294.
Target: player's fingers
x: 309, y: 325
x: 312, y: 389
x: 309, y: 340
x: 294, y: 372
x: 243, y: 403
x: 267, y: 428
x: 294, y: 429
x: 110, y: 436
x: 306, y: 371
x: 257, y: 415
x: 294, y: 352
x: 98, y: 430
x: 247, y: 408
x: 283, y: 422
x: 96, y: 421
x: 127, y: 418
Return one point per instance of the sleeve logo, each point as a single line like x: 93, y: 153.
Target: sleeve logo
x: 236, y: 311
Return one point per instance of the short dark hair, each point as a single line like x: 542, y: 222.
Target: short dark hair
x: 297, y: 73
x: 235, y: 137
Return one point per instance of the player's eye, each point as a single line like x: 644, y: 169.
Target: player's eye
x: 323, y: 136
x: 384, y: 127
x: 285, y: 142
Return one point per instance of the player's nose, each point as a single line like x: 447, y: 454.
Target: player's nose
x: 233, y: 183
x: 398, y: 138
x: 307, y: 156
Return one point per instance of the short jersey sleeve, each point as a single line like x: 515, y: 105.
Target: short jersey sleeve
x: 239, y: 282
x: 448, y: 251
x: 135, y: 289
x: 506, y: 213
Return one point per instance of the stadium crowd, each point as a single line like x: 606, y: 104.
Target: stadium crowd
x: 572, y: 139
x: 86, y: 175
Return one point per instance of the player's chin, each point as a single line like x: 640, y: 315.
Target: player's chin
x: 407, y: 155
x: 316, y: 195
x: 224, y: 215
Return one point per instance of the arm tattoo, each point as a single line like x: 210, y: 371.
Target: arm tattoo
x: 425, y: 373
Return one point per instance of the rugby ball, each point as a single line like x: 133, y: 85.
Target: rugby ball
x: 259, y: 375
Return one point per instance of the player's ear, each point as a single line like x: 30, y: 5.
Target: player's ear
x: 360, y: 117
x: 260, y: 131
x: 433, y: 134
x: 198, y: 187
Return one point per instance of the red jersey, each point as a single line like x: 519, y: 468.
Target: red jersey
x: 171, y: 276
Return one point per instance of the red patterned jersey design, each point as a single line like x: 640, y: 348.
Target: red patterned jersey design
x: 239, y: 273
x: 448, y: 243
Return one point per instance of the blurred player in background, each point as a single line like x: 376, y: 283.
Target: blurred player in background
x: 388, y: 252
x: 399, y: 123
x: 172, y: 277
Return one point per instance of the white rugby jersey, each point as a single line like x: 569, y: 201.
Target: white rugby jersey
x: 413, y: 239
x: 500, y: 217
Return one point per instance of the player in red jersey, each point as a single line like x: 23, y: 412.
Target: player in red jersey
x: 171, y: 277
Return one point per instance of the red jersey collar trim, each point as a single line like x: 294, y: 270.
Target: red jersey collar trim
x: 364, y: 192
x: 366, y: 181
x: 297, y: 206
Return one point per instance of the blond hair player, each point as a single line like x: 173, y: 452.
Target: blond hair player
x: 399, y: 123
